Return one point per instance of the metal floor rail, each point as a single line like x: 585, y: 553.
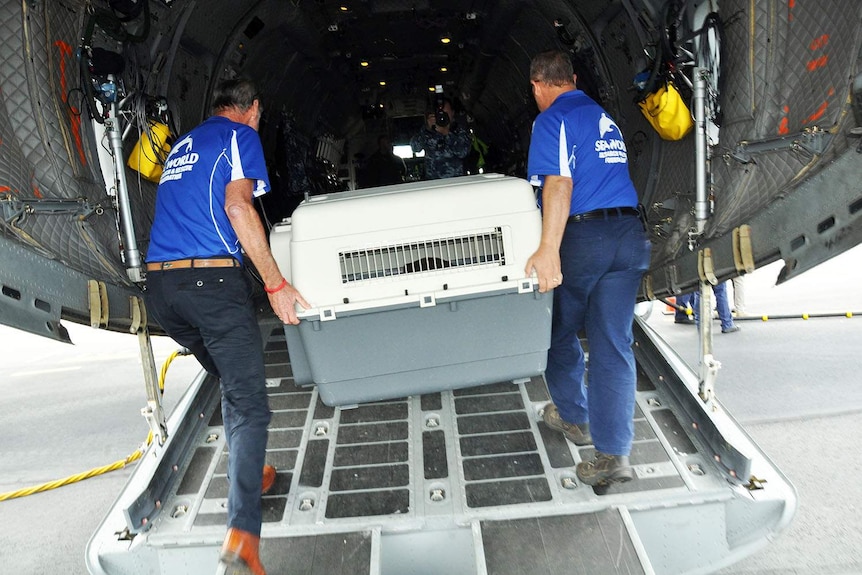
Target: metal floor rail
x: 461, y: 482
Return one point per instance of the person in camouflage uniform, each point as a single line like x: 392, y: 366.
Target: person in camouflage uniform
x: 446, y: 144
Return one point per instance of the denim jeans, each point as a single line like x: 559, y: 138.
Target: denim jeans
x: 209, y: 311
x: 603, y: 262
x: 721, y: 305
x: 683, y: 301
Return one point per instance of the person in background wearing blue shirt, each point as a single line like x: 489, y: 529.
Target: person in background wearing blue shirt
x: 200, y: 295
x: 593, y: 253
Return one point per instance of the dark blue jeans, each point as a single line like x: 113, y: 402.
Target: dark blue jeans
x: 603, y: 263
x: 721, y: 305
x: 683, y: 301
x: 210, y: 311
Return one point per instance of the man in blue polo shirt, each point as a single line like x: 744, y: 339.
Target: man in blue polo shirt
x: 202, y: 298
x: 593, y: 254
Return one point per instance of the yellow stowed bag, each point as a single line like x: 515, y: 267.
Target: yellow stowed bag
x: 149, y: 154
x: 667, y: 113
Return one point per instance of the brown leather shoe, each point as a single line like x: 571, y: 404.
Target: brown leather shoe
x: 604, y: 469
x: 268, y: 479
x: 240, y: 550
x: 579, y: 434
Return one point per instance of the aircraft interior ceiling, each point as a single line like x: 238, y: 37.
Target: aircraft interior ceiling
x: 783, y: 99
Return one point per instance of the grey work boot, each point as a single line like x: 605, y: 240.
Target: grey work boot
x: 604, y: 469
x: 579, y: 433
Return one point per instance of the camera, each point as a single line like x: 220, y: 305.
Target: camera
x: 441, y: 118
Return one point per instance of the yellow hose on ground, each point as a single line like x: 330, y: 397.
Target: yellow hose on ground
x: 134, y: 456
x: 120, y: 464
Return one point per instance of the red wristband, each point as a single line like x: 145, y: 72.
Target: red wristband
x: 280, y: 287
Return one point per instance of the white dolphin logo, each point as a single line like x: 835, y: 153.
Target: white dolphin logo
x: 606, y: 125
x: 187, y: 142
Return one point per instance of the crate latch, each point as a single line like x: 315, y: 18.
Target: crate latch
x: 525, y: 285
x: 327, y: 313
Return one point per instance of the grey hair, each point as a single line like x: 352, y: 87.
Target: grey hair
x: 553, y: 67
x: 235, y: 93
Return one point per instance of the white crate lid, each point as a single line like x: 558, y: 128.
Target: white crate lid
x: 412, y: 204
x: 410, y: 243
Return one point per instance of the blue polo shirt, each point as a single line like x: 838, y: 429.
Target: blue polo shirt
x: 574, y: 137
x: 190, y: 220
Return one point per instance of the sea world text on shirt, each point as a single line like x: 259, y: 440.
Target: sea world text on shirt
x: 612, y: 151
x: 175, y: 166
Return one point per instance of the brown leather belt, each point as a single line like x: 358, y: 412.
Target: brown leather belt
x: 193, y: 263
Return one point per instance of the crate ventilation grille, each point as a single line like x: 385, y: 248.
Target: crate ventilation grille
x: 467, y: 251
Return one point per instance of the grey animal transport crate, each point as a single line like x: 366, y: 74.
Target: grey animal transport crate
x: 415, y: 288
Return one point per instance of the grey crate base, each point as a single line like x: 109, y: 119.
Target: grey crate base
x: 432, y: 379
x: 395, y: 352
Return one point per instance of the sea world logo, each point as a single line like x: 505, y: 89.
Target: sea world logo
x: 605, y: 145
x: 188, y: 158
x: 176, y: 165
x: 606, y: 126
x: 613, y: 150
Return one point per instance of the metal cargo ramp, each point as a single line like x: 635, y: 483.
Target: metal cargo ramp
x: 466, y: 482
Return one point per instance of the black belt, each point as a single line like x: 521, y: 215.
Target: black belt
x: 603, y: 214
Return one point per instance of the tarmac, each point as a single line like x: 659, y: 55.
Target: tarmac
x: 792, y: 382
x: 794, y: 385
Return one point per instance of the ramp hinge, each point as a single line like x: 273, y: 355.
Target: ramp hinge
x: 137, y: 316
x: 646, y: 285
x: 706, y: 266
x: 97, y: 296
x: 743, y: 252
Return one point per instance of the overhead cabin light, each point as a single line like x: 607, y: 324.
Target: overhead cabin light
x: 431, y: 88
x: 444, y: 69
x: 364, y: 63
x: 344, y: 8
x: 446, y: 38
x: 382, y: 82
